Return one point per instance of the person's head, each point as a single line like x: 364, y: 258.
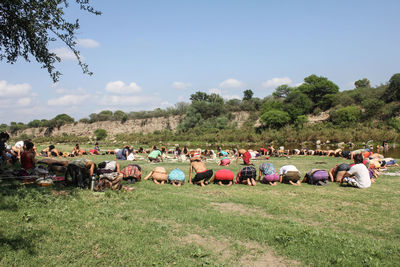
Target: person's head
x: 358, y: 158
x: 4, y: 136
x: 97, y: 144
x: 51, y: 147
x: 28, y: 145
x: 77, y: 145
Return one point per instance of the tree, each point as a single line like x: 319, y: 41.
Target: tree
x: 316, y: 87
x: 275, y: 118
x: 248, y: 94
x: 28, y: 26
x: 392, y: 93
x: 282, y: 91
x: 119, y: 115
x: 346, y: 115
x: 296, y: 104
x: 363, y: 83
x: 100, y: 134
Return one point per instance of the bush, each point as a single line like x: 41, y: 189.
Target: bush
x: 275, y: 118
x: 349, y: 114
x: 100, y: 134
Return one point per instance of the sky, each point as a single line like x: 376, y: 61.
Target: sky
x: 154, y: 53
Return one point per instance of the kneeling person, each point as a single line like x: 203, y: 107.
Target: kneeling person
x: 159, y: 175
x: 176, y: 177
x: 202, y: 174
x: 247, y: 175
x: 222, y: 177
x: 289, y: 174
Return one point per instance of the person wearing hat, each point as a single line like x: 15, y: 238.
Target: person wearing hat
x: 202, y: 174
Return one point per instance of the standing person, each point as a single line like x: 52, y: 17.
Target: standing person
x: 289, y: 174
x: 358, y: 175
x: 155, y: 155
x: 202, y: 174
x: 28, y: 160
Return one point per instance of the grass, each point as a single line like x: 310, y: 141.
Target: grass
x: 211, y: 226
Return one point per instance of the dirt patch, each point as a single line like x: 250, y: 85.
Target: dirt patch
x: 59, y: 193
x: 218, y: 246
x: 232, y: 208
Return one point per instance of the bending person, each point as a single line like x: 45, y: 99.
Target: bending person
x: 159, y: 175
x: 202, y: 174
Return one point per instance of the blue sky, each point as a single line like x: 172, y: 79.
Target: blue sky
x: 149, y: 54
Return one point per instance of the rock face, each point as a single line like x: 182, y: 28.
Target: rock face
x: 323, y: 116
x: 115, y: 127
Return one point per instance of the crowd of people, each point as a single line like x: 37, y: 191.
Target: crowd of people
x: 83, y: 173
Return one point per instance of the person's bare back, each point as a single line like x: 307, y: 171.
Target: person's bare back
x: 199, y: 166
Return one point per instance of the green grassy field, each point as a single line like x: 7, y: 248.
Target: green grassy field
x: 162, y: 225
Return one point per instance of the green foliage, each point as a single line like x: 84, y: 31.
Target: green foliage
x: 84, y: 120
x: 248, y: 94
x: 364, y: 83
x: 282, y: 91
x: 28, y: 27
x: 346, y: 115
x: 275, y: 118
x: 392, y: 93
x: 394, y: 123
x: 100, y: 134
x: 297, y: 103
x: 316, y: 87
x: 271, y: 104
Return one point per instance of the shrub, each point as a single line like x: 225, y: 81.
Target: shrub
x: 100, y: 134
x: 349, y: 114
x: 275, y: 118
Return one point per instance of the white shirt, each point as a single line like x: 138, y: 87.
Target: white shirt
x: 361, y: 175
x: 288, y: 168
x: 19, y: 144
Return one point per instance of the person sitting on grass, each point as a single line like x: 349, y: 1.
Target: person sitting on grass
x: 336, y: 173
x: 28, y: 160
x: 316, y: 177
x: 225, y: 161
x: 176, y: 177
x: 289, y: 174
x: 95, y: 150
x: 51, y: 151
x: 155, y: 155
x: 222, y: 177
x: 358, y: 175
x: 123, y: 153
x: 159, y: 175
x: 18, y: 148
x: 77, y: 151
x: 247, y: 175
x: 267, y: 174
x: 202, y: 174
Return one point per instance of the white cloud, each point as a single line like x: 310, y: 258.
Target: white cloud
x: 119, y: 87
x: 214, y: 91
x: 64, y: 53
x: 14, y: 90
x: 88, y: 43
x: 127, y: 100
x: 25, y: 101
x: 68, y: 100
x: 180, y: 85
x: 274, y: 82
x: 231, y: 83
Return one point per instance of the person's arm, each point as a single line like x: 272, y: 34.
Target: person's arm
x: 211, y: 180
x: 280, y: 178
x: 91, y: 170
x: 190, y: 174
x: 331, y: 175
x: 304, y: 179
x: 32, y: 157
x: 259, y: 175
x: 117, y: 167
x: 148, y: 175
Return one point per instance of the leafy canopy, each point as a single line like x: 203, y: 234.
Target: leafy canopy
x: 28, y: 26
